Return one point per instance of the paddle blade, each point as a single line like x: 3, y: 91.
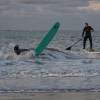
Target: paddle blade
x: 69, y: 48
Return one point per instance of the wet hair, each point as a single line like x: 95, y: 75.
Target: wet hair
x: 16, y: 49
x: 86, y: 23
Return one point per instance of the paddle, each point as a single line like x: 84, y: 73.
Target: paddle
x: 69, y: 48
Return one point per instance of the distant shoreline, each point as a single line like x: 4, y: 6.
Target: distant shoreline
x: 51, y: 96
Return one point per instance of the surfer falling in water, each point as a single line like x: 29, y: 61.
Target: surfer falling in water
x: 86, y: 34
x: 18, y: 50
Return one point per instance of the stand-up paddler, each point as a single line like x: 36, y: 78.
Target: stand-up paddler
x: 86, y: 34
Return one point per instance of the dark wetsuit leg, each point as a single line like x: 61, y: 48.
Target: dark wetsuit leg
x: 90, y: 39
x: 84, y: 41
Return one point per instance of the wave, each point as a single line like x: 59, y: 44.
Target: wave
x: 49, y: 54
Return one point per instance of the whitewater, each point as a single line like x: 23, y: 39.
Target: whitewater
x: 55, y: 70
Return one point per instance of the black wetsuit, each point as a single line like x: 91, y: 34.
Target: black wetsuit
x: 18, y: 51
x: 87, y: 35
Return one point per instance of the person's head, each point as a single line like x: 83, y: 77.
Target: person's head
x: 86, y: 24
x: 16, y: 49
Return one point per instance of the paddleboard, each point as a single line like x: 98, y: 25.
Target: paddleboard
x: 46, y: 40
x: 90, y: 51
x: 93, y: 52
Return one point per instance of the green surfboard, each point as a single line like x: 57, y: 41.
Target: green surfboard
x: 48, y: 37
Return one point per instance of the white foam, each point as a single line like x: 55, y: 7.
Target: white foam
x: 50, y: 54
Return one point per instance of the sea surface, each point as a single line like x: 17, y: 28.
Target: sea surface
x: 55, y: 70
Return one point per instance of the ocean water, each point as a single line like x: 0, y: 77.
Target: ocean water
x: 55, y: 70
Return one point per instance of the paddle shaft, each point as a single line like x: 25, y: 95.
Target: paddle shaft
x: 69, y: 48
x: 76, y: 42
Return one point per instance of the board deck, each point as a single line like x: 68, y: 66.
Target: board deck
x: 48, y: 37
x: 93, y: 51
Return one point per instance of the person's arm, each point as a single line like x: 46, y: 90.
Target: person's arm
x: 92, y: 29
x: 23, y: 50
x: 83, y: 32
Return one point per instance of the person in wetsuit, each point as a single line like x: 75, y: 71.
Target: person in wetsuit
x: 18, y: 51
x: 86, y: 34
